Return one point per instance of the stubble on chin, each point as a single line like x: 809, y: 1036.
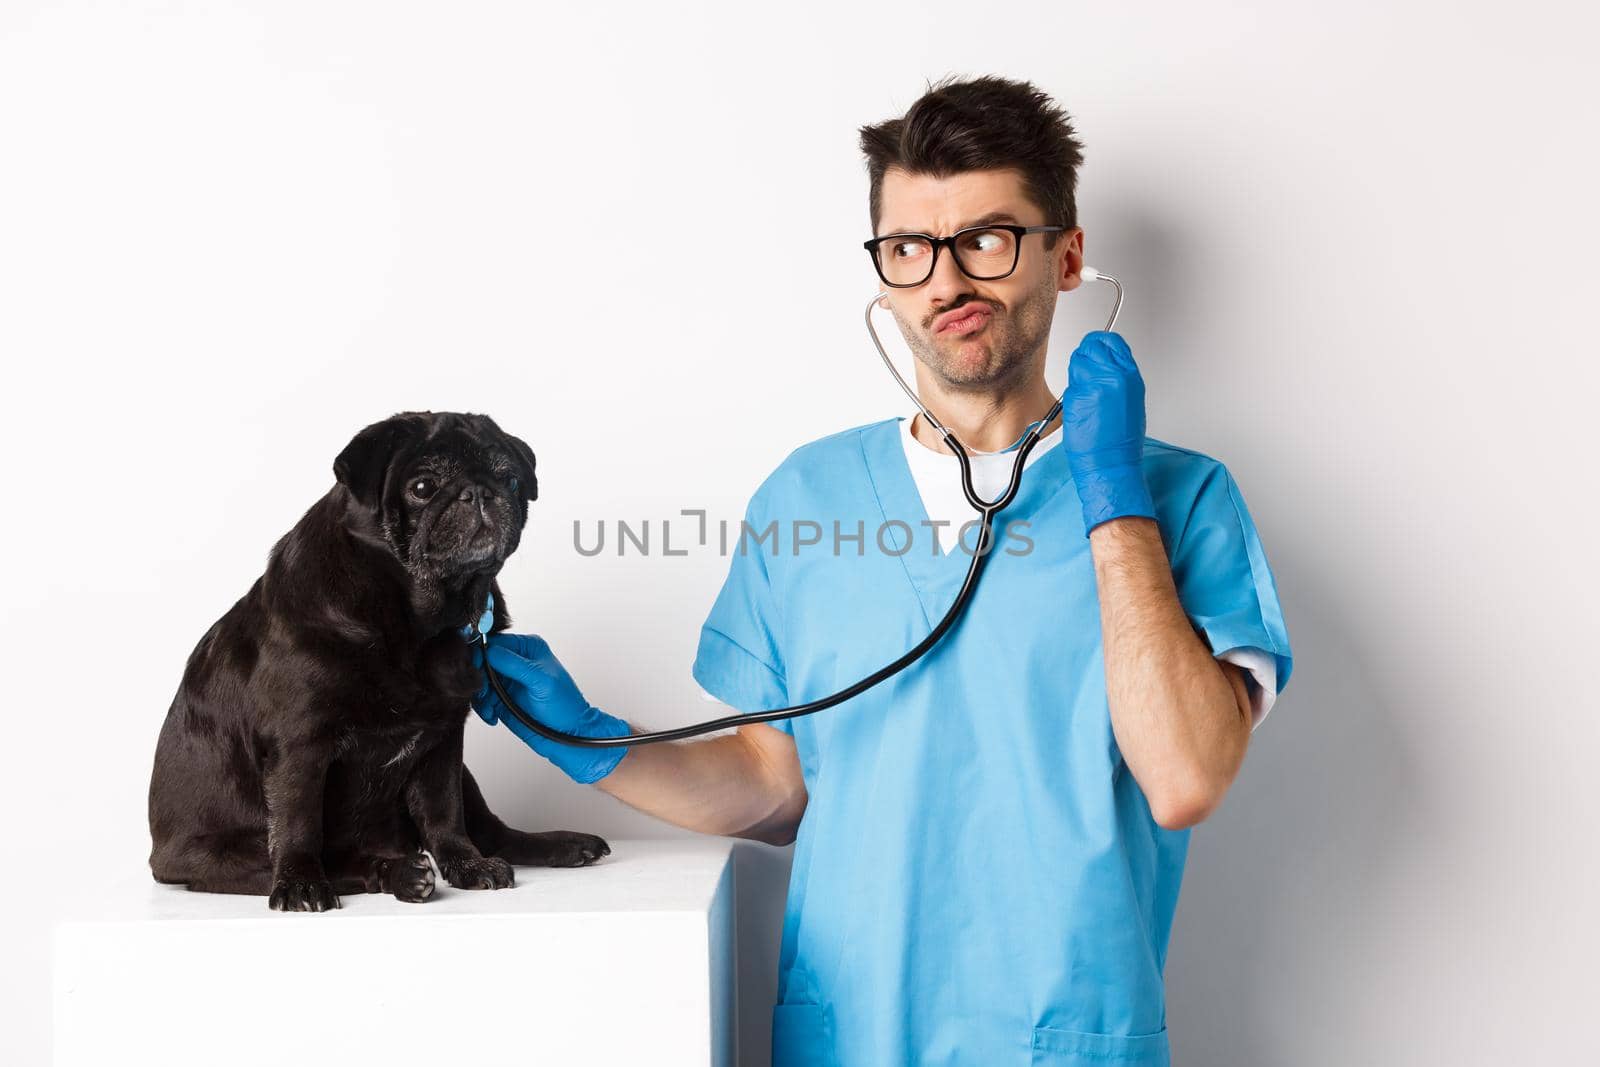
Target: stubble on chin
x: 996, y: 357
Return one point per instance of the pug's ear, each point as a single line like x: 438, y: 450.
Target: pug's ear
x: 524, y: 455
x: 363, y: 464
x: 519, y: 448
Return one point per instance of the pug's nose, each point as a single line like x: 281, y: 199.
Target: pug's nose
x: 475, y: 494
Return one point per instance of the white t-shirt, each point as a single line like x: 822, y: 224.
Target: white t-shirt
x: 938, y: 479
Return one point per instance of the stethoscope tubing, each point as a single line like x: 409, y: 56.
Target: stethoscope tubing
x: 985, y: 541
x: 987, y: 510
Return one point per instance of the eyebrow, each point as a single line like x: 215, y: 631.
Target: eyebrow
x: 981, y: 220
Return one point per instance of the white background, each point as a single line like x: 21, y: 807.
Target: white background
x: 1359, y: 244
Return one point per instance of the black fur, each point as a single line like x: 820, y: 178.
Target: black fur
x: 314, y: 745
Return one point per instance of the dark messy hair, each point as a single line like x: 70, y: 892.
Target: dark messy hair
x: 982, y: 124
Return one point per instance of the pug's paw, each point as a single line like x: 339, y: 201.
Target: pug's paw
x: 409, y: 878
x: 291, y: 893
x: 568, y: 848
x: 479, y: 872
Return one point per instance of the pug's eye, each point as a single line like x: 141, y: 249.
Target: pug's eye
x: 423, y: 488
x: 513, y: 484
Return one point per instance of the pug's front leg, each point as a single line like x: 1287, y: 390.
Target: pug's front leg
x: 433, y: 797
x: 295, y: 778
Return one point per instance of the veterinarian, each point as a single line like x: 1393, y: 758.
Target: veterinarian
x: 988, y: 846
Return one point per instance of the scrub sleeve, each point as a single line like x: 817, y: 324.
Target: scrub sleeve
x: 1223, y: 580
x: 737, y: 660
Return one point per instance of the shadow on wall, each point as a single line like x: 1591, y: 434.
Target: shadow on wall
x: 1287, y: 883
x: 761, y: 884
x: 1284, y: 881
x: 1149, y: 256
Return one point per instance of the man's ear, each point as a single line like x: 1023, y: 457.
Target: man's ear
x: 363, y: 464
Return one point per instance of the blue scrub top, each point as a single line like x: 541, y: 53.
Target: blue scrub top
x: 977, y: 878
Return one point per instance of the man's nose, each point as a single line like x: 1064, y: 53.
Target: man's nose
x: 947, y: 282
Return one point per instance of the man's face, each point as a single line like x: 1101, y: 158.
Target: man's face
x: 999, y: 349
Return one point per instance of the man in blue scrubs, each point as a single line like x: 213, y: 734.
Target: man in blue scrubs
x: 988, y: 846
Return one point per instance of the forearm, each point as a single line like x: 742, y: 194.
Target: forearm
x: 730, y: 785
x: 1176, y: 715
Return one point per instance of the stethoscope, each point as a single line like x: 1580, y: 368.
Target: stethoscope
x: 987, y: 509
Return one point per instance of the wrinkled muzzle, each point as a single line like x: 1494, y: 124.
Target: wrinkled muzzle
x: 473, y: 527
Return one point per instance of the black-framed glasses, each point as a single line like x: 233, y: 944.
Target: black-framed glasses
x: 983, y: 253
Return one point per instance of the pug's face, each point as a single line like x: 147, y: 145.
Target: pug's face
x: 449, y: 492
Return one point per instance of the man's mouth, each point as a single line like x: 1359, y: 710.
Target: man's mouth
x: 971, y: 322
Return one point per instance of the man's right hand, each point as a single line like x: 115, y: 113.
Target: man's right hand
x: 743, y: 784
x: 542, y: 688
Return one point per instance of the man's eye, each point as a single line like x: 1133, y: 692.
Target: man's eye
x: 423, y: 488
x: 987, y: 242
x: 908, y: 249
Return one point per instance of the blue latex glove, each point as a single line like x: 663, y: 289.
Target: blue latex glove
x: 1103, y: 430
x: 542, y: 688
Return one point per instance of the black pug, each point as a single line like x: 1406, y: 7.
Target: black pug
x: 314, y: 745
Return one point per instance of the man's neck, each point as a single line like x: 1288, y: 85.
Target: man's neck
x: 982, y: 421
